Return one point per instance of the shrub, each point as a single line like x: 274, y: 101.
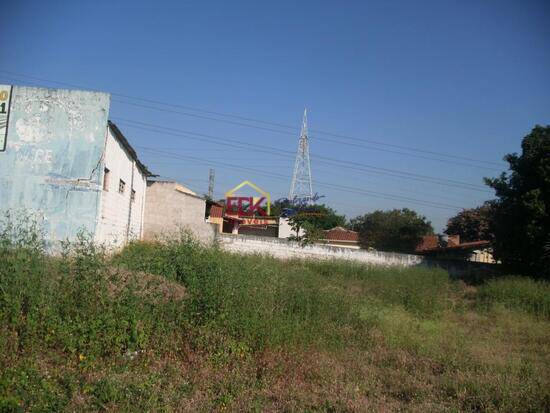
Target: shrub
x: 67, y: 302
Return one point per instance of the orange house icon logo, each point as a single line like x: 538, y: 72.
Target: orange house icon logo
x: 248, y: 206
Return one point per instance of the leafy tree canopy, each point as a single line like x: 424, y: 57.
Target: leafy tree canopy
x: 317, y: 216
x: 521, y: 218
x: 398, y: 230
x: 471, y: 224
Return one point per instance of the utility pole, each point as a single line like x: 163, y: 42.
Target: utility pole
x: 211, y: 176
x: 301, y: 188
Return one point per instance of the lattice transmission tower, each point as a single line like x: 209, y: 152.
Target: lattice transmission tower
x: 301, y: 189
x: 211, y: 176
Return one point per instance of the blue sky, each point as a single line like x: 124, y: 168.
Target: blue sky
x: 466, y: 78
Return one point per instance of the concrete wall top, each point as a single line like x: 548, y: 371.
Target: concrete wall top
x: 282, y: 248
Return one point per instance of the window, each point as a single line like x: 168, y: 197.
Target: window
x: 121, y: 186
x: 133, y: 196
x: 106, y: 177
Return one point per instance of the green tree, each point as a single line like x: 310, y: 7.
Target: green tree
x: 311, y: 219
x: 471, y: 224
x: 318, y: 216
x: 311, y: 233
x: 521, y: 218
x: 398, y: 230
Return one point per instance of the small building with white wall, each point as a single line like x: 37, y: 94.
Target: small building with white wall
x: 65, y: 164
x: 124, y: 185
x: 286, y: 231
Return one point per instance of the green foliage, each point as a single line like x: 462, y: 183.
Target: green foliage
x: 422, y: 292
x: 293, y: 302
x: 521, y: 218
x: 318, y: 216
x: 287, y: 305
x: 75, y: 304
x: 177, y: 326
x: 309, y: 233
x: 517, y: 293
x: 398, y: 230
x: 69, y: 303
x: 471, y: 224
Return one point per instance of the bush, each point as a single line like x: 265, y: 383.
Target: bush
x: 67, y: 302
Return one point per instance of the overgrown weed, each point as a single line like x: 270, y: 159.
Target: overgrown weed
x: 180, y: 326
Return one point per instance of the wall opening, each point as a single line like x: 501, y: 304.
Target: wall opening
x: 121, y: 186
x: 106, y: 178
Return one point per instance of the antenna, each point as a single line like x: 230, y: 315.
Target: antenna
x: 211, y: 176
x: 301, y: 189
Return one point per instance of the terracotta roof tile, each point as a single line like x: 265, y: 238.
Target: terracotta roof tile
x: 216, y: 211
x: 341, y: 234
x: 428, y: 242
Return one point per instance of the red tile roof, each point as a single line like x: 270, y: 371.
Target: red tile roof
x: 430, y: 243
x: 341, y: 234
x: 216, y: 211
x: 469, y: 245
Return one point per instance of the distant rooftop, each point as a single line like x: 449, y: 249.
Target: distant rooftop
x: 341, y: 234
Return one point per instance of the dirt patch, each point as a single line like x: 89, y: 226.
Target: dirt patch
x: 145, y: 285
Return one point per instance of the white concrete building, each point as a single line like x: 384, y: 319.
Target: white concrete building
x: 122, y: 202
x: 285, y: 229
x: 65, y: 164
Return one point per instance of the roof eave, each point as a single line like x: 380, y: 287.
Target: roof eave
x: 128, y: 148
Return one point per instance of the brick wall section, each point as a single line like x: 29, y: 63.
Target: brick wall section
x: 281, y: 248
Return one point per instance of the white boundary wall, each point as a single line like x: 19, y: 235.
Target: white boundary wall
x: 279, y: 248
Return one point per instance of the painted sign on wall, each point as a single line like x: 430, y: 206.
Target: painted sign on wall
x: 53, y: 161
x: 5, y: 100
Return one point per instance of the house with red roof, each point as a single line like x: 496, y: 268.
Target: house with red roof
x: 450, y: 248
x: 341, y: 237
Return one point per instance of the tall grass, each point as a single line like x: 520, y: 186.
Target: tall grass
x: 180, y: 326
x: 517, y: 293
x: 264, y: 301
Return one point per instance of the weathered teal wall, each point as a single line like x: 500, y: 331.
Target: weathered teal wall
x: 53, y: 160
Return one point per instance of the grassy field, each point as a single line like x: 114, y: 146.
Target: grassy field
x: 179, y: 327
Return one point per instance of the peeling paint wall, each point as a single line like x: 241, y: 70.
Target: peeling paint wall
x: 52, y: 165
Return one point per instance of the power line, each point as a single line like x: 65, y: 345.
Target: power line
x: 231, y: 142
x: 387, y: 196
x: 355, y: 145
x: 280, y: 125
x: 322, y: 167
x: 341, y: 188
x: 294, y: 128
